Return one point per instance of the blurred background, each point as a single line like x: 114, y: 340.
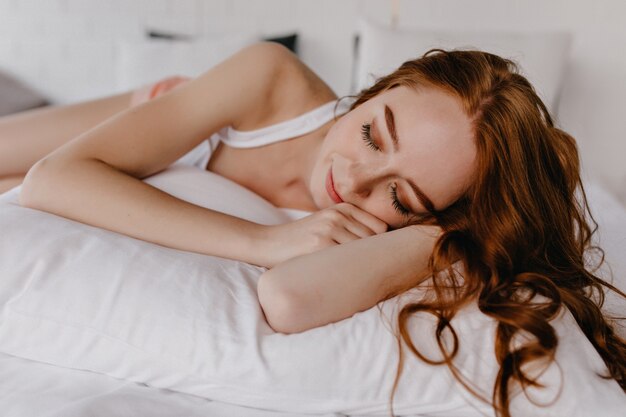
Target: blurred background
x: 64, y: 51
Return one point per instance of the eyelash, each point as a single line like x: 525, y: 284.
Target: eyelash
x: 367, y: 137
x: 396, y: 203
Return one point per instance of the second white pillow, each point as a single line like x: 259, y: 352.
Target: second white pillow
x: 542, y: 56
x: 146, y: 61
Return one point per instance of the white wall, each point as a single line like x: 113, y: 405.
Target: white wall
x: 66, y: 47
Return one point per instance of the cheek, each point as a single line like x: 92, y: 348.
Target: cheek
x: 344, y: 131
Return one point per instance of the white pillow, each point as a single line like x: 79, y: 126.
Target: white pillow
x: 542, y: 56
x: 80, y: 297
x: 143, y: 62
x: 611, y: 237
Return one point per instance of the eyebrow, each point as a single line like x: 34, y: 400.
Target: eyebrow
x: 391, y: 127
x: 393, y: 133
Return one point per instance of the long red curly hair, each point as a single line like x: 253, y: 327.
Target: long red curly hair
x: 522, y: 229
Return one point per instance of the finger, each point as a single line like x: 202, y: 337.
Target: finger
x: 176, y: 81
x: 359, y: 229
x: 363, y: 217
x: 173, y: 83
x: 157, y: 88
x: 346, y: 221
x: 166, y: 84
x: 342, y: 235
x: 140, y: 95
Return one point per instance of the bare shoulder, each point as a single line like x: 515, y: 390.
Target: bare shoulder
x: 294, y: 88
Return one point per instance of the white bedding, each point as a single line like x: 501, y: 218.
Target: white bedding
x: 119, y: 320
x: 34, y: 389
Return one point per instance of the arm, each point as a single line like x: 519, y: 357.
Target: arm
x: 96, y: 177
x: 6, y: 183
x: 335, y: 283
x: 30, y: 135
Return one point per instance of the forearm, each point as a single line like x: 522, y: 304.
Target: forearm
x: 94, y: 193
x: 334, y: 283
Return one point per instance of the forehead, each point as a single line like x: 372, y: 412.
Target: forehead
x: 432, y: 106
x: 436, y: 145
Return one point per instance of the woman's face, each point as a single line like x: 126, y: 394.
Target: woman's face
x: 397, y: 154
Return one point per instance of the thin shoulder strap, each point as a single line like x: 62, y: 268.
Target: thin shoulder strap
x: 301, y: 125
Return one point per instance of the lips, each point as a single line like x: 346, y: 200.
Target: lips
x: 330, y: 188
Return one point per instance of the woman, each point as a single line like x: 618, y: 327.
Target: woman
x: 454, y: 152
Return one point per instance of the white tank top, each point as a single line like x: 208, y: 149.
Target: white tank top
x: 301, y: 125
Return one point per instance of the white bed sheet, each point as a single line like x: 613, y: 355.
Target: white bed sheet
x: 35, y: 389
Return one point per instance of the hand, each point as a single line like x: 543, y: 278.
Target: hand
x: 150, y: 91
x: 332, y: 226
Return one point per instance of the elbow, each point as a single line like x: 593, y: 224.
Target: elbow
x: 33, y: 186
x: 281, y: 308
x: 44, y: 183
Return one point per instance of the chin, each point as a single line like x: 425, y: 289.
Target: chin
x: 321, y: 202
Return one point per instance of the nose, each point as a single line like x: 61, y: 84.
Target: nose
x: 360, y: 179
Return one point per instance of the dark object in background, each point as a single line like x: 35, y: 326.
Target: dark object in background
x: 15, y: 96
x: 157, y: 34
x: 289, y: 41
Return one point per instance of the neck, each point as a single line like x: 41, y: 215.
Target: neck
x: 297, y: 166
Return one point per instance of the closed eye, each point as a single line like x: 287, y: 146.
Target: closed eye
x: 366, y: 134
x: 403, y: 211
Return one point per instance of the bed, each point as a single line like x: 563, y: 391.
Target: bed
x: 96, y: 323
x: 116, y: 322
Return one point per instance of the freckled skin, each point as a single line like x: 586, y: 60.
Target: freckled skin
x: 436, y: 152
